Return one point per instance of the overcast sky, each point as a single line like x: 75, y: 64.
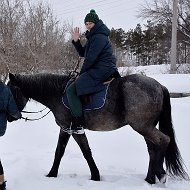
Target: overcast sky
x: 114, y: 13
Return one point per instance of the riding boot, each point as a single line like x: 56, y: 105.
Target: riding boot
x: 3, y: 186
x: 77, y: 125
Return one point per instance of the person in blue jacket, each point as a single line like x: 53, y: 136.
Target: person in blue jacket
x: 8, y: 112
x: 99, y: 65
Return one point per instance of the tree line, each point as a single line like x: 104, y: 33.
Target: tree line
x: 144, y: 46
x: 151, y: 43
x: 32, y: 39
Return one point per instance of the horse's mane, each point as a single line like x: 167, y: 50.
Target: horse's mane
x: 42, y: 84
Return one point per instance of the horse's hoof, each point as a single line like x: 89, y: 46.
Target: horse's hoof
x: 163, y: 178
x: 151, y: 180
x: 51, y: 175
x: 95, y: 178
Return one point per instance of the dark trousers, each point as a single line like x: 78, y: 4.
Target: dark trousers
x: 74, y: 101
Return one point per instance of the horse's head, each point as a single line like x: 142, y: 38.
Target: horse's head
x: 14, y: 86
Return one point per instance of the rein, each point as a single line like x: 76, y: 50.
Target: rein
x: 28, y: 119
x: 34, y: 111
x: 74, y: 73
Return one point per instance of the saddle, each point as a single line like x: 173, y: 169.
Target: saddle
x: 95, y: 100
x: 85, y: 99
x: 90, y: 101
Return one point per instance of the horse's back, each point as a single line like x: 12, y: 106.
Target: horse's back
x: 134, y: 99
x: 133, y: 88
x: 142, y: 98
x: 138, y: 86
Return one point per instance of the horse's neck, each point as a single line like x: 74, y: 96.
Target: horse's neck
x: 42, y: 89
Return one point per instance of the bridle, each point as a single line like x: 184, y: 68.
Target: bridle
x: 28, y: 119
x: 72, y: 76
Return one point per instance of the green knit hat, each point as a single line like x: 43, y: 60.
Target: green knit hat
x: 91, y: 17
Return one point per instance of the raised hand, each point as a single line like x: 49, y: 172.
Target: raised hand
x: 75, y: 34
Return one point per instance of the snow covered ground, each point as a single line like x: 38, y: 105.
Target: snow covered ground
x: 27, y: 150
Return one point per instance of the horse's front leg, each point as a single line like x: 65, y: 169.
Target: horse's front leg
x: 61, y: 145
x: 84, y: 146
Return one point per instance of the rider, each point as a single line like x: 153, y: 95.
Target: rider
x: 99, y: 65
x: 8, y: 111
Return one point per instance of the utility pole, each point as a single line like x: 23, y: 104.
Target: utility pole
x: 173, y: 57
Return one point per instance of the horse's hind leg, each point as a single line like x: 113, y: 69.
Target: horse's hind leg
x: 151, y: 177
x: 160, y: 141
x: 155, y: 163
x: 157, y: 143
x: 84, y: 146
x: 61, y: 145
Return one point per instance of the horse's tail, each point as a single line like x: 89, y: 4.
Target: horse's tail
x: 173, y: 159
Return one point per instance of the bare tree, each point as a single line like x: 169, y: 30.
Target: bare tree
x: 43, y: 38
x: 160, y: 11
x: 10, y: 14
x: 32, y: 39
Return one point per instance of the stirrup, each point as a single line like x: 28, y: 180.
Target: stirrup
x: 71, y: 131
x: 77, y: 129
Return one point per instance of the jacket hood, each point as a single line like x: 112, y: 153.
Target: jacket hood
x: 99, y: 28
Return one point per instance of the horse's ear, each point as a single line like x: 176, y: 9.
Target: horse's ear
x: 12, y: 77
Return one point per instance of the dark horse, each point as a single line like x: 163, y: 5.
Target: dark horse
x: 136, y: 100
